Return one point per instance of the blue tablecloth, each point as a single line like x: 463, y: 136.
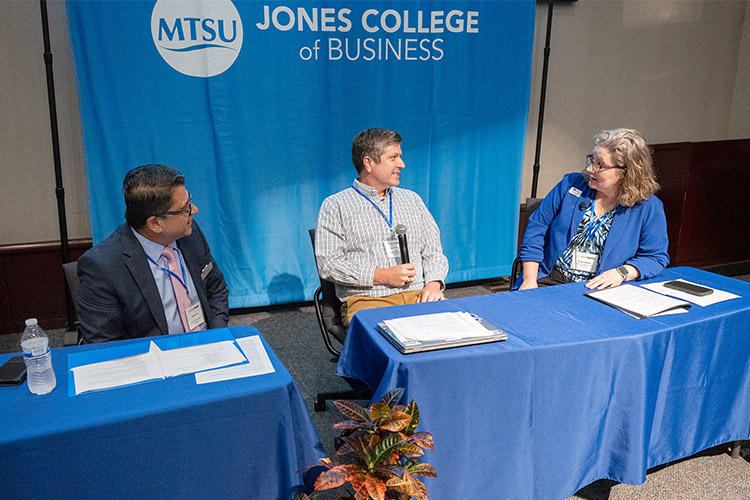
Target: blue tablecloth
x: 247, y: 438
x: 578, y: 392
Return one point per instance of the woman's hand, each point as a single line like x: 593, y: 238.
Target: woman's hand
x: 530, y: 272
x: 607, y: 279
x: 528, y: 284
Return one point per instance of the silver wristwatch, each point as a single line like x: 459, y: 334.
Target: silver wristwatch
x: 623, y: 272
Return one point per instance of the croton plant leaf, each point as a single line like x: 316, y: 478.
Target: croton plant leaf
x: 392, y: 397
x: 352, y: 410
x: 336, y: 476
x: 383, y: 450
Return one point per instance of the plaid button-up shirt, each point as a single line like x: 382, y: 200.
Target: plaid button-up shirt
x: 349, y: 240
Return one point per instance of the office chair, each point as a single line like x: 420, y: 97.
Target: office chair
x: 531, y: 205
x: 72, y: 337
x: 328, y: 312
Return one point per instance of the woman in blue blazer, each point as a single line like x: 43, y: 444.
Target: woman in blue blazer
x: 603, y: 225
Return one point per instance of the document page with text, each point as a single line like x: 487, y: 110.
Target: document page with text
x: 638, y: 301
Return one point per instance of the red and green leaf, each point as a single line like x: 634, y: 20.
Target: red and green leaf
x: 352, y: 410
x: 380, y: 411
x: 375, y: 488
x: 348, y: 424
x: 404, y: 484
x: 423, y: 440
x: 383, y: 450
x: 424, y: 470
x: 421, y: 490
x: 392, y: 397
x: 336, y: 476
x: 413, y: 411
x: 360, y: 490
x: 344, y: 449
x: 412, y: 449
x: 396, y: 422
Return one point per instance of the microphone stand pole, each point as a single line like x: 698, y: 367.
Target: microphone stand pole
x: 59, y: 190
x: 540, y: 123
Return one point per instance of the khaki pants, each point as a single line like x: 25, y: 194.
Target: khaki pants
x: 358, y: 303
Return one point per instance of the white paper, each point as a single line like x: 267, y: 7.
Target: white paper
x: 118, y: 372
x: 638, y: 300
x: 200, y: 357
x: 437, y: 327
x: 258, y: 363
x: 155, y: 364
x: 706, y: 300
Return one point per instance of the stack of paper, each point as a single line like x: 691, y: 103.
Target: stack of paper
x: 438, y: 331
x: 437, y: 327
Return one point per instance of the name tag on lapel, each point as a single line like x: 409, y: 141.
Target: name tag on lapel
x: 574, y: 191
x: 206, y: 269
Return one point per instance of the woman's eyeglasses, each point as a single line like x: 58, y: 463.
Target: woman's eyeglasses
x: 598, y: 167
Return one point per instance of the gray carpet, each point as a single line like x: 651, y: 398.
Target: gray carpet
x: 292, y: 332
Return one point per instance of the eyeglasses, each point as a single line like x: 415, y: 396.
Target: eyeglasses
x: 590, y: 163
x: 185, y: 211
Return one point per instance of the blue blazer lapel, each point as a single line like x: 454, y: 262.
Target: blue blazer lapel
x: 137, y: 263
x: 587, y: 195
x: 616, y: 232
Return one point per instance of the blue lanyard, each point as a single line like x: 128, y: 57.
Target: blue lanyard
x: 184, y: 278
x: 390, y: 195
x: 593, y: 228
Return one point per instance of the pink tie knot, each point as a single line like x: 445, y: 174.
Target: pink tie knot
x: 168, y: 253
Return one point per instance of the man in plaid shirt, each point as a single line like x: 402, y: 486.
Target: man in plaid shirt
x: 355, y: 243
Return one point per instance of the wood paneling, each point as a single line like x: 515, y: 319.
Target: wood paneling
x: 32, y: 283
x: 705, y: 190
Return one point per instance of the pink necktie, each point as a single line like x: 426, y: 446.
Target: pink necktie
x: 183, y: 301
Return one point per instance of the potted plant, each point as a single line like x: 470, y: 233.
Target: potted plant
x: 382, y: 451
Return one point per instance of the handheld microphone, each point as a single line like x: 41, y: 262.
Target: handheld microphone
x: 402, y: 246
x: 582, y: 206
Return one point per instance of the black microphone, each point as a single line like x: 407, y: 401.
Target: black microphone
x: 402, y: 246
x: 582, y: 206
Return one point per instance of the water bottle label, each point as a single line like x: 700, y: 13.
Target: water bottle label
x: 37, y: 347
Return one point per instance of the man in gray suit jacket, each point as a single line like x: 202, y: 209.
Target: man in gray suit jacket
x: 155, y: 274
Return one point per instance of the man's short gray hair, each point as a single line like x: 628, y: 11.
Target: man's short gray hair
x: 373, y: 143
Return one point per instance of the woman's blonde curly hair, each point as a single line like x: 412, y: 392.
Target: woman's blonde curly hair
x: 628, y: 149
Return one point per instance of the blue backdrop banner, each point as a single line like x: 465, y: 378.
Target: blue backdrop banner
x: 257, y: 103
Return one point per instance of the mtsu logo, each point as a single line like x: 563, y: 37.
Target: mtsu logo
x: 197, y: 37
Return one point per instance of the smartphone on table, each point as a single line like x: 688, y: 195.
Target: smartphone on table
x: 692, y: 289
x: 13, y: 371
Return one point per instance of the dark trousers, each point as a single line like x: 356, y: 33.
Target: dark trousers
x: 554, y: 278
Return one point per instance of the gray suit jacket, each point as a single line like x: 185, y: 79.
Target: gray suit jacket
x: 118, y: 298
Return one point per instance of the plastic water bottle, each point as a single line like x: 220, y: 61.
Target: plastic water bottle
x: 38, y: 358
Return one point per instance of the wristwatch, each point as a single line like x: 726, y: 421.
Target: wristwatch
x: 623, y: 272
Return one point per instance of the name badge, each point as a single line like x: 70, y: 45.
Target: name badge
x: 206, y: 269
x: 584, y: 261
x: 575, y: 191
x: 195, y: 315
x: 391, y: 248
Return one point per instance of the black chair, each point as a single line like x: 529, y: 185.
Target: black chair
x: 531, y: 205
x: 72, y: 337
x: 328, y: 312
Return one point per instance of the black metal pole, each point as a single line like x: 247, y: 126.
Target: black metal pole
x: 542, y: 98
x: 59, y: 190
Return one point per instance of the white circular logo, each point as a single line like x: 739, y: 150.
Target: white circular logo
x: 197, y: 37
